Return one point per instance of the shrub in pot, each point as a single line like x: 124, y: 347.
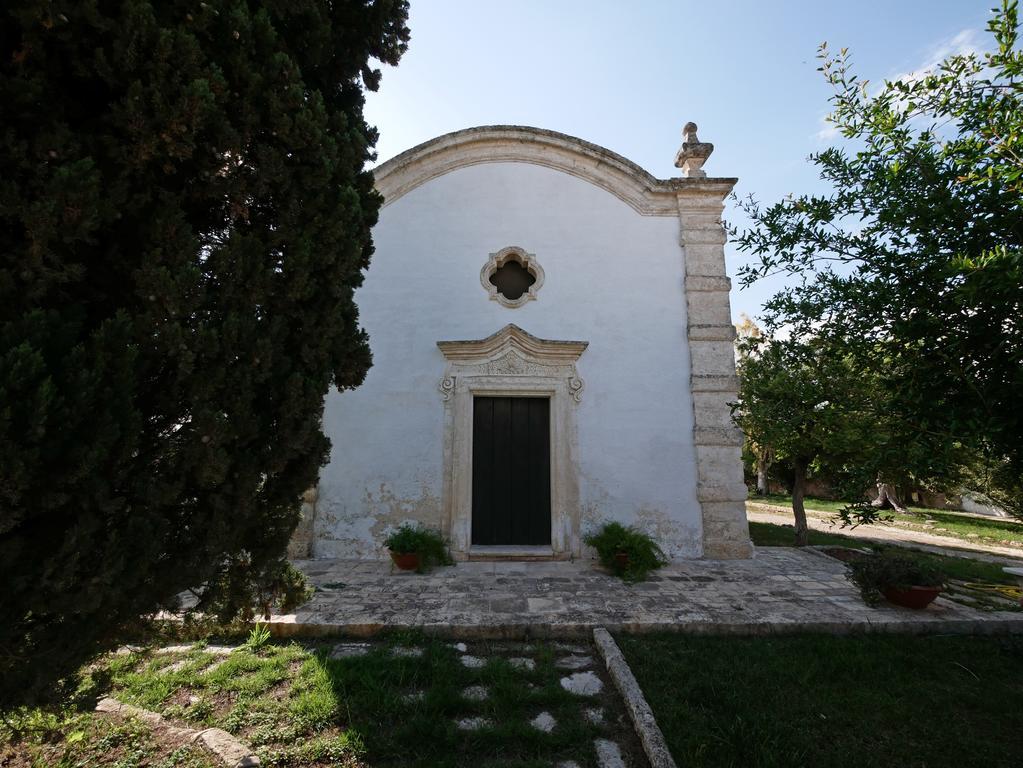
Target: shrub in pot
x: 415, y: 548
x: 626, y: 551
x: 900, y: 579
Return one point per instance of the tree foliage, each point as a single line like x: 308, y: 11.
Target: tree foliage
x: 184, y: 215
x: 805, y: 402
x: 913, y: 263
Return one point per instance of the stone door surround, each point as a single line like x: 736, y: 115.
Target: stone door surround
x: 511, y: 363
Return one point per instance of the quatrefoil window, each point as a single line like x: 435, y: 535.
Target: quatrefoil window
x: 512, y: 277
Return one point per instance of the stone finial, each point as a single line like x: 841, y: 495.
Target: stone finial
x: 693, y: 154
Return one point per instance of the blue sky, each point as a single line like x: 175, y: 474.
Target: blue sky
x: 629, y: 75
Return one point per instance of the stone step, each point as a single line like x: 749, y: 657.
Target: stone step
x: 512, y: 554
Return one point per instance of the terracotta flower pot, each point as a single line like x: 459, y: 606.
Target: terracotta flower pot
x: 622, y: 560
x: 406, y: 561
x: 912, y: 597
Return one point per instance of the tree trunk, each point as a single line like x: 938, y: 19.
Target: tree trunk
x: 761, y: 476
x: 887, y: 498
x: 798, y: 491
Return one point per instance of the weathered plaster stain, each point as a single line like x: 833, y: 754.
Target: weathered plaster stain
x: 359, y: 530
x: 388, y: 510
x: 675, y: 537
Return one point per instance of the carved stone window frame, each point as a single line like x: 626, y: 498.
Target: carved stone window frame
x: 498, y: 260
x: 511, y: 363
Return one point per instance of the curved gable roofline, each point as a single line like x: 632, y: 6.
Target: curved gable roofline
x: 519, y: 144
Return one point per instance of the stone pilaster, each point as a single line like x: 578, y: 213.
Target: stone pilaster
x: 300, y: 547
x: 720, y: 487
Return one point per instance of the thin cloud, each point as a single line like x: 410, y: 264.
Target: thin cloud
x: 967, y: 42
x: 828, y: 131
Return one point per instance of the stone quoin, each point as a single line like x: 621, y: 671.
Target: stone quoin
x: 515, y: 406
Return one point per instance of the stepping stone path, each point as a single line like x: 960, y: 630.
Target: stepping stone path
x: 348, y: 650
x: 544, y: 722
x: 472, y: 723
x: 608, y: 754
x: 582, y: 684
x: 219, y: 650
x: 177, y: 665
x: 213, y: 666
x: 574, y: 662
x: 215, y: 650
x: 476, y: 693
x: 408, y: 653
x: 569, y: 648
x: 173, y: 649
x: 582, y: 681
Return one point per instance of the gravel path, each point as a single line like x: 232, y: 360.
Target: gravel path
x: 942, y: 545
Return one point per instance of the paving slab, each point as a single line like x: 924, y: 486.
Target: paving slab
x: 608, y: 754
x: 476, y: 693
x: 574, y: 662
x: 348, y: 650
x: 409, y: 653
x: 582, y: 684
x: 781, y: 589
x: 544, y: 722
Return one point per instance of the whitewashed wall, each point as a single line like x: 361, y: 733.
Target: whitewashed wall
x: 613, y: 278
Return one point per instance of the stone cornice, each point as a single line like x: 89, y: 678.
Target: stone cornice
x: 519, y: 144
x: 706, y: 188
x: 513, y: 337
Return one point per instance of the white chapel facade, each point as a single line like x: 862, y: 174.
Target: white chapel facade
x: 552, y: 348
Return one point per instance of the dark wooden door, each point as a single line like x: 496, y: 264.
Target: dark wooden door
x: 511, y: 471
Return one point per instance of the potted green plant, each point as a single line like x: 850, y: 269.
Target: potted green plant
x: 415, y: 547
x: 900, y: 579
x: 626, y: 551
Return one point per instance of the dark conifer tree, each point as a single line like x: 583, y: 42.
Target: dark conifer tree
x: 184, y: 215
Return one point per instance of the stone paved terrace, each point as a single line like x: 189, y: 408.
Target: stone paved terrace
x: 780, y: 590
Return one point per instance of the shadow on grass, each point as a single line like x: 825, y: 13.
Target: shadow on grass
x: 871, y: 700
x: 406, y: 708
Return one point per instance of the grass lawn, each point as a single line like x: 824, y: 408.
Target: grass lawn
x: 978, y: 529
x: 810, y: 502
x: 963, y: 568
x: 834, y: 701
x: 397, y: 704
x: 778, y: 535
x: 992, y: 531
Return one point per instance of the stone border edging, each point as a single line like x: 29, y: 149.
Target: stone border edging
x: 639, y: 711
x: 895, y: 623
x: 226, y: 747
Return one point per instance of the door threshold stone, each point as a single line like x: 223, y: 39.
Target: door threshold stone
x: 491, y: 553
